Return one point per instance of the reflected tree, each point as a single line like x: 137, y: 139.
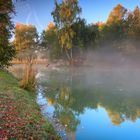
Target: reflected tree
x: 72, y: 98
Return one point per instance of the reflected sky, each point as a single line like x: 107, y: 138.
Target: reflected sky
x: 96, y: 125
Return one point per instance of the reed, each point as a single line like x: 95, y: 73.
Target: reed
x: 28, y: 80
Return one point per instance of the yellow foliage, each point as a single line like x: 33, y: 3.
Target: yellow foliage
x: 116, y: 14
x: 50, y: 26
x: 25, y: 36
x: 114, y: 117
x: 65, y: 37
x: 65, y: 12
x: 100, y: 25
x: 21, y: 27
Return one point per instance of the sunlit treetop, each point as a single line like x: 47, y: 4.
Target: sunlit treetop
x: 25, y: 36
x: 50, y: 26
x: 66, y: 12
x: 117, y: 14
x: 136, y: 10
x: 24, y: 26
x: 100, y: 25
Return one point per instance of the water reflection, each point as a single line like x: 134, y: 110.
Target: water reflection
x: 63, y: 111
x: 75, y: 94
x: 94, y: 104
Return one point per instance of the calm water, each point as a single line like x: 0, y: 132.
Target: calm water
x: 92, y: 104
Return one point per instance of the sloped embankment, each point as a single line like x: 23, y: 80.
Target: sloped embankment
x: 20, y: 116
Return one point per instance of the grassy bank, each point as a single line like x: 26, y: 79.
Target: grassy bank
x: 20, y: 116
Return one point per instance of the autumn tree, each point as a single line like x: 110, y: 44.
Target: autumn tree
x: 26, y: 41
x: 136, y: 20
x: 117, y: 14
x: 116, y: 27
x: 134, y: 23
x: 25, y: 36
x: 6, y: 27
x: 64, y: 15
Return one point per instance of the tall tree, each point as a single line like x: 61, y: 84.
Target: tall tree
x: 64, y: 15
x: 50, y: 41
x: 134, y: 23
x: 7, y: 51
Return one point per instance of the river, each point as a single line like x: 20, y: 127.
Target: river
x: 90, y: 103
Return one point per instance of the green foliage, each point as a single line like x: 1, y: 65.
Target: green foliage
x: 49, y: 40
x: 114, y: 31
x: 6, y: 54
x: 133, y: 22
x: 7, y: 51
x: 84, y: 34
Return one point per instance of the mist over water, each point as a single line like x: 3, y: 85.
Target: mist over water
x: 113, y: 69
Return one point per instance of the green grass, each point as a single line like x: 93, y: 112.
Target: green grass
x: 19, y: 112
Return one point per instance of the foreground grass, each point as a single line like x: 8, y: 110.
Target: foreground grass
x: 20, y: 116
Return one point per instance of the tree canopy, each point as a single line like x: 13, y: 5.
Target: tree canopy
x: 25, y: 36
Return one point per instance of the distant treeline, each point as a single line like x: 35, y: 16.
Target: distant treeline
x: 121, y: 25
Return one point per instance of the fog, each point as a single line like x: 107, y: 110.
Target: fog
x: 109, y: 68
x: 105, y: 67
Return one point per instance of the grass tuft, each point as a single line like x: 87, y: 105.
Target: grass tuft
x: 28, y: 81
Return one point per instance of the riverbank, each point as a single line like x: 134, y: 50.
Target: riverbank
x: 35, y: 61
x: 19, y: 113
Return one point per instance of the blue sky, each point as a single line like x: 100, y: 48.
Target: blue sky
x: 38, y: 12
